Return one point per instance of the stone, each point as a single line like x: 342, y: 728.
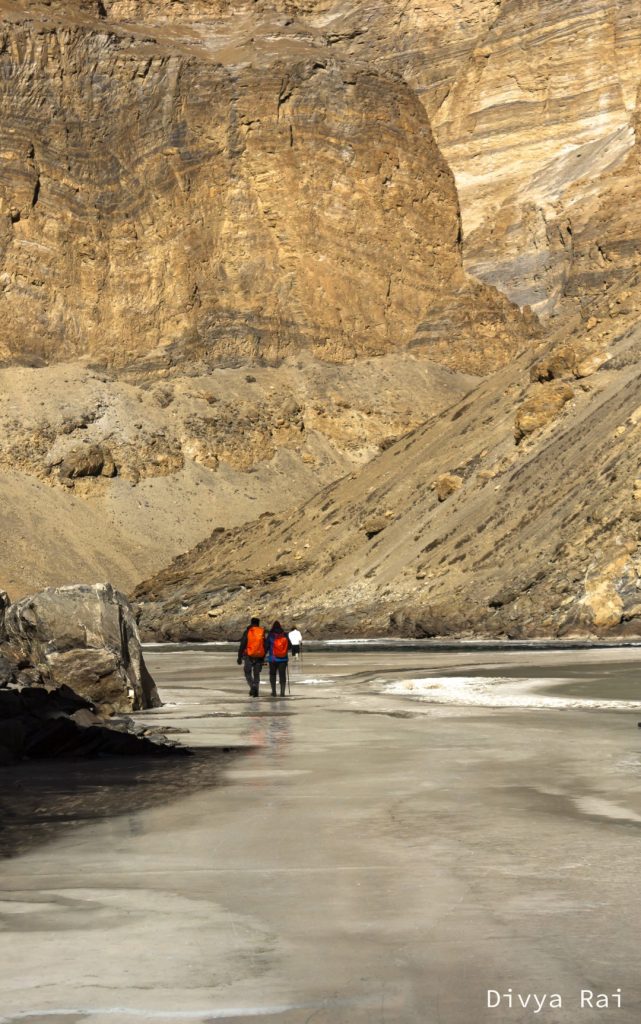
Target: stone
x: 575, y: 360
x: 109, y: 468
x: 542, y: 407
x: 86, y: 637
x: 447, y: 484
x: 4, y: 604
x: 37, y: 723
x: 83, y: 461
x: 63, y: 737
x: 603, y: 603
x: 374, y: 525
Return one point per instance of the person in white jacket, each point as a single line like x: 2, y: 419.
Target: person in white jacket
x: 296, y: 640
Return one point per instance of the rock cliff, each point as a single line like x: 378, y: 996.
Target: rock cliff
x: 160, y: 196
x: 230, y: 256
x: 235, y: 245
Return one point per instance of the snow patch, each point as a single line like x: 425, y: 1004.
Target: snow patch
x: 499, y: 692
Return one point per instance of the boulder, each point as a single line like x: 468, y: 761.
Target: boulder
x: 84, y: 461
x: 374, y: 525
x: 446, y: 484
x: 577, y: 359
x: 83, y: 636
x: 542, y: 407
x: 4, y: 604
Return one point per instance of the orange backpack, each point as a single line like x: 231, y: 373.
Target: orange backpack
x: 255, y: 642
x: 280, y: 646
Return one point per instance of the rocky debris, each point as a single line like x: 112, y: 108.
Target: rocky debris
x: 569, y: 360
x: 446, y: 484
x: 612, y: 587
x: 84, y: 637
x: 7, y: 671
x: 542, y: 407
x: 215, y: 455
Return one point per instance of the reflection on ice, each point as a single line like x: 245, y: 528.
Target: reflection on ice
x: 498, y: 692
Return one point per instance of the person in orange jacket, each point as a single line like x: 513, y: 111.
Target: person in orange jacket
x: 251, y: 654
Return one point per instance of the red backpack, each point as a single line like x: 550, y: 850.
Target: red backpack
x: 280, y: 646
x: 255, y: 642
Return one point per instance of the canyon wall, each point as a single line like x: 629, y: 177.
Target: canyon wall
x: 247, y: 251
x: 230, y: 271
x: 154, y: 197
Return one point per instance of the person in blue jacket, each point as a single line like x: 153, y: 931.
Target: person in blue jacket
x: 278, y: 648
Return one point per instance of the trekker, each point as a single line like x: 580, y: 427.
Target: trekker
x: 296, y: 640
x: 278, y: 647
x: 251, y: 654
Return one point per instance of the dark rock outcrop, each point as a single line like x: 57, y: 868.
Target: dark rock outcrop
x: 69, y: 659
x: 37, y: 723
x: 84, y: 637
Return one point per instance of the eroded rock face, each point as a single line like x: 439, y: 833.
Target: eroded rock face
x: 84, y: 637
x: 543, y: 105
x: 189, y: 192
x: 235, y: 210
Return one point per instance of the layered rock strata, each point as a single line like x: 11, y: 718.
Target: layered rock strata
x: 237, y: 224
x: 153, y: 196
x: 529, y: 106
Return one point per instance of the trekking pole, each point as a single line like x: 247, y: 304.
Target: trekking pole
x: 289, y: 685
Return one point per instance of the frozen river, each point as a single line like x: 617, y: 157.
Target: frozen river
x: 413, y: 837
